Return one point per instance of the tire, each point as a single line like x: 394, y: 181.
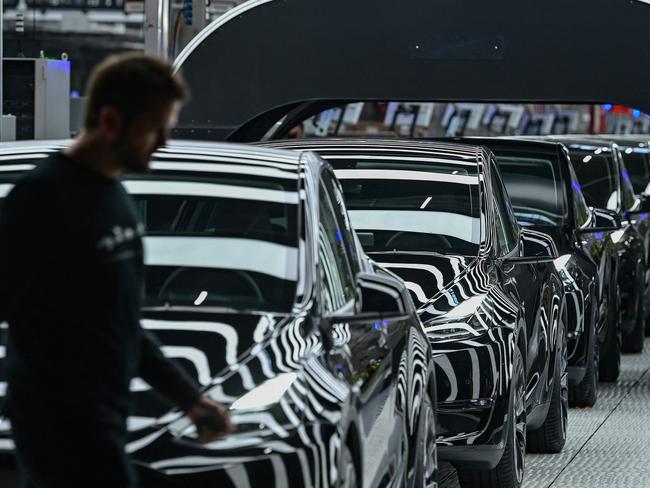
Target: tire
x: 633, y: 342
x: 426, y: 458
x: 610, y: 352
x: 348, y: 470
x: 509, y: 473
x: 551, y: 436
x: 585, y: 393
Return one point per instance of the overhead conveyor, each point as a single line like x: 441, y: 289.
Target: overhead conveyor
x: 269, y: 58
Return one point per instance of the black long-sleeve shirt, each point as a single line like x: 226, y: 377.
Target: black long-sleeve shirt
x: 71, y: 282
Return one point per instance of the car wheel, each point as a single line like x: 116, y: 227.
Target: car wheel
x: 348, y: 478
x: 585, y: 393
x: 551, y: 436
x: 610, y: 351
x: 633, y: 342
x: 509, y: 473
x: 426, y: 459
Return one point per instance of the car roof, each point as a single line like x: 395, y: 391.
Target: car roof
x: 178, y: 152
x: 444, y: 152
x: 507, y: 141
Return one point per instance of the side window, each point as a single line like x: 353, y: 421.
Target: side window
x: 341, y: 214
x: 336, y: 276
x: 627, y: 191
x: 579, y: 205
x: 506, y: 224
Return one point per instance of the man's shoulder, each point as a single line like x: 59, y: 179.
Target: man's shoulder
x: 38, y: 185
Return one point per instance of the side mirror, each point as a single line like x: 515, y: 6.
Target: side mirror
x: 536, y: 247
x: 603, y: 221
x: 378, y: 297
x: 644, y: 206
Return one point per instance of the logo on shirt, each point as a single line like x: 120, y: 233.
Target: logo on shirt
x: 120, y: 236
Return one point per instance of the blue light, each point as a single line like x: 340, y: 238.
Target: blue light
x: 339, y: 236
x: 643, y: 216
x: 74, y: 94
x: 626, y: 175
x: 59, y: 65
x: 384, y: 323
x: 607, y: 107
x: 636, y: 113
x: 599, y: 235
x: 576, y: 186
x: 376, y: 326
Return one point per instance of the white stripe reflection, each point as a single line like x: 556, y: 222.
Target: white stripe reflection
x: 440, y: 223
x: 226, y: 331
x: 225, y: 253
x: 185, y: 188
x: 394, y: 174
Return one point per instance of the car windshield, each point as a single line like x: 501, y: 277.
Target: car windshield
x: 637, y: 162
x: 397, y: 206
x: 596, y: 174
x: 216, y: 242
x: 533, y: 183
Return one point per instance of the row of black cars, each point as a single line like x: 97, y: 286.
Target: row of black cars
x: 367, y: 307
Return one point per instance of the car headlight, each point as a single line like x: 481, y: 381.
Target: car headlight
x: 264, y: 395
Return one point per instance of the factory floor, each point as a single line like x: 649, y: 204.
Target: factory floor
x: 608, y: 446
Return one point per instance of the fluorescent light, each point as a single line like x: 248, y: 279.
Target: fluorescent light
x: 587, y: 159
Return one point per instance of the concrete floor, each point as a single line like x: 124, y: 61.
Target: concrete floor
x: 608, y: 446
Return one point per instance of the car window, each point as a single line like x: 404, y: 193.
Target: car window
x: 596, y: 173
x: 533, y: 182
x: 506, y: 224
x: 342, y: 219
x: 335, y: 271
x: 627, y: 191
x: 398, y: 205
x: 579, y: 204
x: 637, y: 162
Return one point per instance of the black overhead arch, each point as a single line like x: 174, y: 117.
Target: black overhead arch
x: 266, y: 58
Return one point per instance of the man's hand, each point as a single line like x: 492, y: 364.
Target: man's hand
x: 211, y: 419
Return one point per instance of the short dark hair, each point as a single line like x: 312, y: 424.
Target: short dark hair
x: 133, y: 83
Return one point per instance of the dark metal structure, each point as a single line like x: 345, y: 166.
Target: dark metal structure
x: 269, y: 58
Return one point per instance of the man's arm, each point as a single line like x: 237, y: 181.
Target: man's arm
x: 210, y: 417
x: 164, y: 375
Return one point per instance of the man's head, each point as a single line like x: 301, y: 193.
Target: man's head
x: 133, y: 102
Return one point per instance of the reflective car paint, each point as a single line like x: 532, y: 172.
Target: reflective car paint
x: 302, y: 387
x: 587, y: 262
x: 632, y: 242
x: 476, y: 309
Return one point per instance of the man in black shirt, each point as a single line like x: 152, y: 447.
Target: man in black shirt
x: 71, y: 280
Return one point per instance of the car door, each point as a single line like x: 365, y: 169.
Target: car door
x: 361, y: 351
x: 589, y: 266
x: 527, y: 278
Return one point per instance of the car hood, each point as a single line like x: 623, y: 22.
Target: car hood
x: 260, y: 365
x: 210, y: 347
x: 425, y: 274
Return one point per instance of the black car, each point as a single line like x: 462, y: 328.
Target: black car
x: 635, y: 152
x: 606, y: 183
x: 256, y: 283
x: 547, y: 197
x: 438, y: 215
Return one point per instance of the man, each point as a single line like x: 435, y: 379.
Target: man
x: 71, y: 274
